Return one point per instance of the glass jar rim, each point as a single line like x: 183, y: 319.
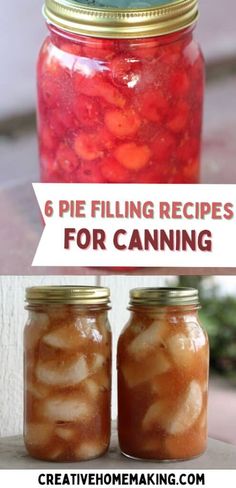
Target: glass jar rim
x: 68, y: 295
x: 107, y: 22
x: 164, y: 297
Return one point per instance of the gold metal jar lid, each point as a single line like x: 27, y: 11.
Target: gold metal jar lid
x: 70, y: 295
x: 164, y: 297
x: 96, y: 18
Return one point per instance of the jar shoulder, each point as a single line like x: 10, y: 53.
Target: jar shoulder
x: 63, y: 326
x: 118, y: 54
x: 193, y: 52
x: 148, y: 329
x: 45, y: 48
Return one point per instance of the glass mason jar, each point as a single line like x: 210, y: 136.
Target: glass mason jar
x: 120, y: 92
x: 67, y: 364
x: 163, y: 362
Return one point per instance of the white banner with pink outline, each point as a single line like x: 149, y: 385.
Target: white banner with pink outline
x: 127, y: 225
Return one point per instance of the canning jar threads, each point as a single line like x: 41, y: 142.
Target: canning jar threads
x: 120, y: 94
x: 67, y: 364
x: 163, y: 360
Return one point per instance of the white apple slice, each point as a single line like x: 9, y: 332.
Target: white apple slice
x: 147, y: 340
x: 162, y: 414
x: 64, y: 373
x: 63, y: 338
x: 71, y: 336
x: 151, y: 367
x: 89, y: 450
x: 156, y: 415
x: 188, y: 411
x: 182, y: 350
x: 92, y: 388
x: 65, y: 433
x: 69, y: 408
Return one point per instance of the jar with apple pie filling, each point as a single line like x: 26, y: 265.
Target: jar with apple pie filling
x: 67, y: 364
x: 163, y: 362
x: 120, y: 92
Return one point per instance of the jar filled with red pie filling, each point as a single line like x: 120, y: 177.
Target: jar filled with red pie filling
x: 163, y: 360
x: 67, y: 363
x: 120, y: 92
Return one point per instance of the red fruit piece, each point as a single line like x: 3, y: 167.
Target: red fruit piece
x: 47, y: 176
x: 191, y: 172
x: 153, y: 104
x: 96, y: 86
x: 104, y: 138
x: 89, y: 172
x: 179, y: 117
x: 125, y: 71
x: 86, y: 147
x: 61, y: 121
x: 132, y: 156
x: 66, y: 159
x: 110, y: 93
x: 156, y: 174
x: 65, y: 117
x: 171, y: 55
x: 50, y: 90
x: 87, y: 110
x: 47, y: 138
x: 55, y: 81
x: 91, y: 145
x: 188, y: 150
x: 56, y: 126
x: 49, y: 168
x: 179, y: 84
x: 163, y: 146
x: 122, y: 123
x: 113, y: 172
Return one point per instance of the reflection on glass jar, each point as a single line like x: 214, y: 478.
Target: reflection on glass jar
x: 120, y: 96
x: 163, y: 362
x: 67, y: 359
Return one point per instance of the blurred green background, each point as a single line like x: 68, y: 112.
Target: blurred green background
x: 218, y: 315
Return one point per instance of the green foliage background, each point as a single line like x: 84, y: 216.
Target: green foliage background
x: 218, y: 315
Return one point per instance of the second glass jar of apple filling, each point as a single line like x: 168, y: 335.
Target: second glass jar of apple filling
x: 163, y: 361
x: 120, y: 92
x: 67, y: 363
